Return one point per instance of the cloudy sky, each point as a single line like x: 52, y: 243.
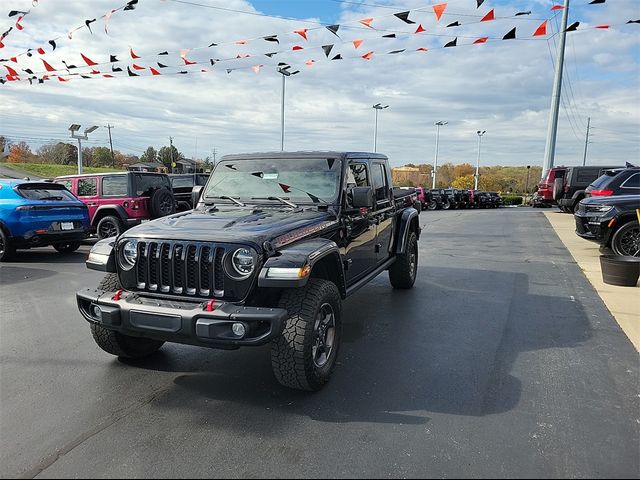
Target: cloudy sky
x: 503, y: 87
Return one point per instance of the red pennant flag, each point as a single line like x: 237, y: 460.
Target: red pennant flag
x: 1, y: 44
x: 95, y: 72
x: 603, y: 26
x: 240, y: 55
x: 11, y: 71
x: 41, y: 51
x: 183, y: 56
x: 297, y: 47
x: 481, y: 40
x: 14, y: 59
x: 422, y: 49
x: 420, y: 29
x: 366, y: 22
x: 541, y: 30
x: 368, y: 55
x: 106, y: 75
x: 88, y: 61
x: 357, y: 43
x: 48, y: 67
x: 18, y: 26
x: 133, y: 55
x: 489, y: 16
x: 154, y: 71
x: 439, y: 10
x: 557, y: 7
x: 138, y: 67
x: 256, y: 68
x: 285, y: 188
x: 242, y: 42
x: 302, y: 32
x: 310, y: 63
x: 60, y: 79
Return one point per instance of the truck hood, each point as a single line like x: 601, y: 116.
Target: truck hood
x: 235, y: 224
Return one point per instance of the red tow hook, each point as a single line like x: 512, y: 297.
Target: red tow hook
x: 211, y: 305
x: 118, y: 295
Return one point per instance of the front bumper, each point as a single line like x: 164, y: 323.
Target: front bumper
x: 593, y: 228
x: 180, y: 321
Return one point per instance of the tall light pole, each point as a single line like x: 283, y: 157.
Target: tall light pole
x: 284, y: 71
x: 526, y: 185
x: 477, y: 175
x: 435, y: 162
x: 377, y: 107
x: 73, y: 129
x: 552, y: 131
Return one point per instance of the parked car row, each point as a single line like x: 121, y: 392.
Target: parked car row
x: 452, y: 198
x: 66, y: 210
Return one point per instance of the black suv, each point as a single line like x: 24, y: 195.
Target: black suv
x: 275, y: 243
x: 182, y: 185
x: 570, y: 189
x: 612, y: 222
x: 621, y: 181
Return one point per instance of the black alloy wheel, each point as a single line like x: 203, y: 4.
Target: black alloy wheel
x: 108, y: 227
x: 325, y: 334
x: 626, y: 240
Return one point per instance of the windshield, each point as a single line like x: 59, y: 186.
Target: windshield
x: 294, y: 179
x: 182, y: 182
x: 53, y: 192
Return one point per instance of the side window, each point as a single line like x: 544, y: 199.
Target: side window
x: 87, y: 187
x: 357, y: 176
x: 115, y: 186
x: 380, y: 182
x: 68, y: 184
x: 632, y: 182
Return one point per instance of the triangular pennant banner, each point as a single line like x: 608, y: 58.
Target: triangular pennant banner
x: 390, y: 35
x: 452, y: 43
x: 393, y: 52
x: 327, y: 50
x: 541, y: 30
x: 480, y: 2
x: 633, y: 21
x: 557, y: 7
x: 48, y: 67
x: 162, y: 65
x: 11, y: 71
x: 285, y: 188
x: 523, y: 13
x: 53, y: 44
x: 337, y: 57
x: 41, y: 51
x: 454, y: 24
x: 87, y: 60
x: 357, y: 43
x: 310, y: 63
x: 573, y: 27
x: 297, y: 47
x: 489, y: 16
x: 368, y: 55
x: 422, y: 49
x: 595, y: 2
x: 511, y: 35
x: 113, y: 58
x: 603, y: 27
x: 107, y: 17
x: 88, y: 24
x: 271, y: 55
x: 164, y: 53
x: 366, y: 22
x: 439, y: 10
x: 302, y: 32
x: 481, y: 40
x: 404, y: 16
x: 272, y: 38
x: 333, y: 29
x: 133, y: 55
x: 131, y: 5
x: 420, y: 29
x: 131, y: 74
x: 138, y: 67
x: 115, y: 69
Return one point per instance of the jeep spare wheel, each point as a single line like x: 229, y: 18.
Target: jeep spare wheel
x: 162, y: 203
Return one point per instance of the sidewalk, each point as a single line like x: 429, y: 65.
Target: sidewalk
x: 622, y: 302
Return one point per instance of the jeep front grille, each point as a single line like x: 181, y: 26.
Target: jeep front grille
x: 190, y: 269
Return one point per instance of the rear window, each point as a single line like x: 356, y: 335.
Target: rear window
x: 145, y: 184
x: 182, y: 182
x: 115, y: 186
x: 603, y: 180
x: 586, y: 175
x: 45, y: 192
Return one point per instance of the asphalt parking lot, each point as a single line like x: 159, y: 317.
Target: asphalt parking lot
x: 501, y: 362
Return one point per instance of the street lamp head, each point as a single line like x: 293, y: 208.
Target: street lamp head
x: 91, y: 129
x: 285, y: 71
x: 379, y: 106
x: 441, y: 123
x: 74, y: 128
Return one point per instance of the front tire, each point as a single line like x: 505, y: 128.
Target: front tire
x: 304, y: 355
x: 403, y: 272
x: 626, y: 240
x: 69, y: 247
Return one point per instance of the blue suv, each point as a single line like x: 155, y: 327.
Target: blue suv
x: 37, y: 214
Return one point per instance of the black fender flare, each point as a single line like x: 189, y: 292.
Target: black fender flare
x: 102, y: 256
x: 303, y: 256
x: 407, y: 221
x: 122, y: 214
x: 578, y: 194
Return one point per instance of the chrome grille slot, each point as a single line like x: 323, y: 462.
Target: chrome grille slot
x: 180, y: 268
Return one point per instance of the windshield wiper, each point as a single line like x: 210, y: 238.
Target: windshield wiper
x: 227, y: 197
x: 280, y: 199
x: 52, y: 198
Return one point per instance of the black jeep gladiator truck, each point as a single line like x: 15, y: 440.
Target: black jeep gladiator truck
x: 274, y: 244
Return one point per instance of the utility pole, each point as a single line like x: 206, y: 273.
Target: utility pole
x: 377, y: 107
x: 586, y: 142
x: 113, y: 158
x: 552, y: 132
x: 526, y: 185
x: 171, y: 152
x: 477, y: 175
x: 435, y: 161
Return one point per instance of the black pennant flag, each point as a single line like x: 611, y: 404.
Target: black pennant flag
x: 131, y: 74
x: 229, y: 70
x: 391, y: 35
x: 29, y: 71
x: 131, y: 5
x: 113, y: 59
x: 161, y: 65
x: 327, y: 50
x: 337, y: 57
x: 115, y: 69
x: 480, y: 2
x: 6, y: 33
x: 164, y: 53
x: 212, y: 61
x: 595, y: 2
x: 272, y: 38
x: 511, y: 35
x: 393, y: 52
x: 334, y: 29
x: 452, y: 43
x: 53, y: 44
x: 573, y: 27
x: 85, y: 76
x: 13, y: 13
x: 454, y: 24
x: 88, y: 24
x: 213, y: 45
x: 523, y: 13
x: 271, y: 54
x: 183, y: 72
x: 633, y: 21
x: 68, y: 66
x: 404, y: 16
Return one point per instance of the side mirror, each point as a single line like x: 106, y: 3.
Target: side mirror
x: 196, y: 193
x: 362, y: 197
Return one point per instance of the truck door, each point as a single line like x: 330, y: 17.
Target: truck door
x: 358, y: 245
x: 87, y: 189
x: 384, y: 210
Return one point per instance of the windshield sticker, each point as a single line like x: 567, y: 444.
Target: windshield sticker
x: 330, y: 162
x: 270, y: 176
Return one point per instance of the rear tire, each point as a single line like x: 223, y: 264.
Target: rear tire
x: 109, y: 227
x: 433, y: 205
x: 402, y: 273
x: 446, y: 205
x: 6, y: 249
x: 304, y: 355
x: 69, y: 247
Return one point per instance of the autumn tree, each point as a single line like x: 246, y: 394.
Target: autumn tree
x: 465, y: 182
x: 59, y: 153
x: 20, y: 153
x: 463, y: 170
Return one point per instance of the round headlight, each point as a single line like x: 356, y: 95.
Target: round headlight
x: 243, y: 262
x: 129, y: 254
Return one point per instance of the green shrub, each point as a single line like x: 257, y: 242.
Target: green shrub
x: 512, y: 199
